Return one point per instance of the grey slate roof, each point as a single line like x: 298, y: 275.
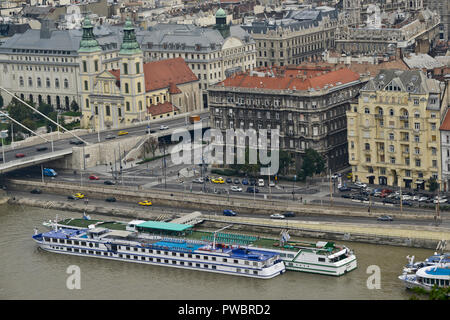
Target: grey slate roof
x: 413, y: 81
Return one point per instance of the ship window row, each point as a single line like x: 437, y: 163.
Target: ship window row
x: 443, y: 282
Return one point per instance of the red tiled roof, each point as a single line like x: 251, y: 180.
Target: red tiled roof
x: 297, y: 78
x: 163, y: 73
x: 445, y: 126
x: 159, y: 74
x: 173, y: 89
x: 161, y: 108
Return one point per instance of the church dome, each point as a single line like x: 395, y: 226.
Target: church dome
x: 221, y: 13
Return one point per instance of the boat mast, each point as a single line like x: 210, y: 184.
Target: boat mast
x: 215, y: 232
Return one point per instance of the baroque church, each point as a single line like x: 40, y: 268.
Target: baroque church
x: 137, y: 91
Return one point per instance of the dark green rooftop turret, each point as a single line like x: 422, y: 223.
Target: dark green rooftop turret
x: 129, y: 42
x: 88, y: 42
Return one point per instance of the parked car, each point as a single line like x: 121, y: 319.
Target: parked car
x: 109, y: 183
x: 345, y: 188
x: 277, y: 216
x: 289, y: 214
x: 93, y: 177
x: 244, y: 181
x: 36, y: 191
x: 228, y: 212
x: 271, y: 184
x: 76, y: 142
x: 385, y: 218
x: 252, y: 189
x: 415, y: 198
x: 41, y: 148
x: 423, y: 199
x: 260, y: 182
x: 229, y: 180
x: 360, y: 184
x: 110, y: 199
x: 236, y: 189
x: 335, y: 176
x: 252, y: 182
x: 346, y: 195
x: 163, y: 127
x: 149, y: 131
x: 198, y: 180
x: 407, y: 203
x: 237, y: 181
x: 440, y: 199
x: 218, y: 180
x: 79, y: 195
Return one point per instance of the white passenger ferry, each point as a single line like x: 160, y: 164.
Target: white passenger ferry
x: 321, y: 257
x: 428, y: 277
x: 162, y: 243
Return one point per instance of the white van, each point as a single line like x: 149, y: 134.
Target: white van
x: 260, y: 183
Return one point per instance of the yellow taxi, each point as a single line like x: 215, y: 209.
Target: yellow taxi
x: 122, y: 133
x: 145, y: 203
x: 349, y: 175
x: 218, y: 180
x: 79, y: 195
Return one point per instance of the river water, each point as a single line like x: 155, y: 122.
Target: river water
x: 30, y: 273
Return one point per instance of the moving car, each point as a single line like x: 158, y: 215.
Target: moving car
x: 110, y: 199
x: 20, y: 155
x: 271, y: 184
x: 74, y: 141
x: 252, y: 189
x: 48, y: 172
x: 149, y: 131
x: 163, y: 127
x: 79, y: 195
x: 92, y: 177
x: 277, y: 216
x: 109, y: 183
x: 228, y: 212
x: 36, y: 191
x: 360, y: 184
x: 145, y: 203
x: 198, y: 180
x: 110, y: 136
x: 236, y: 189
x: 41, y: 148
x: 289, y: 214
x: 122, y: 133
x: 385, y: 218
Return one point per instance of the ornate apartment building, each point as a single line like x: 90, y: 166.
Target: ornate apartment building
x: 211, y: 53
x: 306, y: 103
x: 393, y: 130
x: 299, y: 36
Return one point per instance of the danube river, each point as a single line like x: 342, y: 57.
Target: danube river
x: 30, y: 273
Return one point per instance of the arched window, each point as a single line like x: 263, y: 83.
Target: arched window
x: 21, y: 81
x: 67, y: 102
x: 47, y: 82
x: 126, y: 88
x: 140, y: 105
x: 87, y: 103
x: 49, y: 100
x: 58, y: 102
x: 391, y: 112
x: 66, y: 83
x: 57, y: 83
x: 39, y: 82
x: 30, y: 82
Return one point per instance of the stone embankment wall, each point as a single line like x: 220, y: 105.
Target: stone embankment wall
x: 200, y: 201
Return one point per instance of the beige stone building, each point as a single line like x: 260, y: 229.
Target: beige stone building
x: 393, y: 130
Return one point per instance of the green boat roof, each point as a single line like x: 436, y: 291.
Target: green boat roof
x: 166, y: 226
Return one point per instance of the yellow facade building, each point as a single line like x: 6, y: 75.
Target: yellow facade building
x: 393, y: 130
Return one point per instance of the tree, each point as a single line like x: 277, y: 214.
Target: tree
x: 20, y: 112
x: 284, y: 161
x: 45, y: 108
x: 74, y: 106
x: 433, y: 184
x: 151, y: 145
x: 313, y: 163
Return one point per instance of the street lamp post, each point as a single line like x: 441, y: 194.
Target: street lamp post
x: 3, y: 134
x: 162, y: 148
x: 293, y: 186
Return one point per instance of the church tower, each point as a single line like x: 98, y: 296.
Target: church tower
x: 351, y: 12
x: 221, y: 23
x: 90, y: 66
x: 132, y: 80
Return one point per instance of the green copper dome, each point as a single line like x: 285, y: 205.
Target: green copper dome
x: 221, y: 13
x: 129, y: 42
x: 88, y: 42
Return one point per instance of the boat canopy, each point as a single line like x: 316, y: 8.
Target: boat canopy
x: 158, y: 226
